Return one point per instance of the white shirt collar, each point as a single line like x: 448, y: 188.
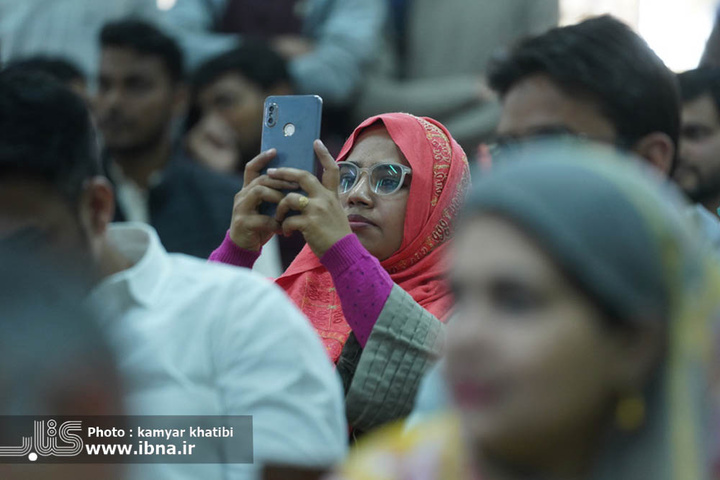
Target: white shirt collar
x: 134, y: 200
x: 139, y: 284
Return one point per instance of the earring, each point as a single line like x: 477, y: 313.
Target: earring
x: 630, y: 413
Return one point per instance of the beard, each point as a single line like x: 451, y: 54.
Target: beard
x: 143, y: 144
x: 699, y: 186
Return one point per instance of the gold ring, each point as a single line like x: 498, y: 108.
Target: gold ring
x: 303, y: 202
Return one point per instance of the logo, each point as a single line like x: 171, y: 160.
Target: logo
x: 48, y: 440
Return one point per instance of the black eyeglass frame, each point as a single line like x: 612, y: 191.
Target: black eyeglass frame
x: 506, y: 144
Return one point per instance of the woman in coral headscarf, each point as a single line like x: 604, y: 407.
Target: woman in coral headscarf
x: 370, y: 278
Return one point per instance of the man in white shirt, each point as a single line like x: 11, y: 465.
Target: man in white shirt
x: 192, y: 338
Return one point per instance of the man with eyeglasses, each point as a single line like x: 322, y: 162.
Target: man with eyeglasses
x: 596, y: 80
x: 593, y: 81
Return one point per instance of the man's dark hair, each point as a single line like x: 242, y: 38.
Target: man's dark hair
x: 45, y: 132
x: 145, y: 39
x: 701, y: 81
x: 603, y: 60
x: 254, y: 60
x: 61, y: 69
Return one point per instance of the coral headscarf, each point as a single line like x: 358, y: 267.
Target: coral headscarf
x: 440, y: 177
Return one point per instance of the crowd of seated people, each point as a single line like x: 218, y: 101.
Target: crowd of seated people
x: 504, y: 267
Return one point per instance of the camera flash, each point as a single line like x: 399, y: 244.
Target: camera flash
x: 289, y: 130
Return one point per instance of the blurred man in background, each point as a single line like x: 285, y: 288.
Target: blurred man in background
x: 225, y: 123
x: 596, y: 80
x: 226, y: 106
x: 698, y: 171
x: 140, y: 95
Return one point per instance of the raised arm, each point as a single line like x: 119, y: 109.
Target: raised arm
x: 381, y: 380
x: 394, y: 341
x: 250, y: 230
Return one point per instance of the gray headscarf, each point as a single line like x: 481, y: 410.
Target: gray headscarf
x: 620, y: 231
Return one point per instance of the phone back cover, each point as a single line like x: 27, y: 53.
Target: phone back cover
x: 294, y: 150
x: 304, y: 113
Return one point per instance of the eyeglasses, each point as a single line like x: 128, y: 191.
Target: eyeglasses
x: 510, y: 146
x: 384, y: 178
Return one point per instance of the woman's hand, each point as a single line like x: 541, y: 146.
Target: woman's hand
x: 214, y: 144
x: 249, y: 229
x: 322, y: 219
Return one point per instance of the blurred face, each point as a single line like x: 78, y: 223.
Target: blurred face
x: 528, y: 361
x: 536, y: 106
x: 136, y: 100
x: 377, y: 220
x: 698, y: 171
x: 240, y: 104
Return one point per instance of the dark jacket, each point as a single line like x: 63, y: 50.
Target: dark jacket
x: 191, y: 207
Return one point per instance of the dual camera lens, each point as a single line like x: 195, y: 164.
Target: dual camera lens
x: 272, y: 115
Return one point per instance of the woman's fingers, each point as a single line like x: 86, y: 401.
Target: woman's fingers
x: 331, y: 172
x: 260, y: 224
x: 292, y: 201
x: 249, y: 229
x: 292, y: 224
x: 251, y: 232
x: 254, y: 166
x: 322, y: 222
x: 254, y: 196
x: 273, y: 183
x: 263, y: 224
x: 306, y: 180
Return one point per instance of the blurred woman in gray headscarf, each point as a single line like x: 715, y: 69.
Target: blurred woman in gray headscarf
x: 581, y: 338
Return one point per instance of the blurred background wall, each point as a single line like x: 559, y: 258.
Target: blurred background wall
x: 676, y: 29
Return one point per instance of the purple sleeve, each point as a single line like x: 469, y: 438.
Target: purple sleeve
x: 231, y: 254
x: 361, y: 283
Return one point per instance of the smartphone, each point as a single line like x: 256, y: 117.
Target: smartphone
x: 291, y: 123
